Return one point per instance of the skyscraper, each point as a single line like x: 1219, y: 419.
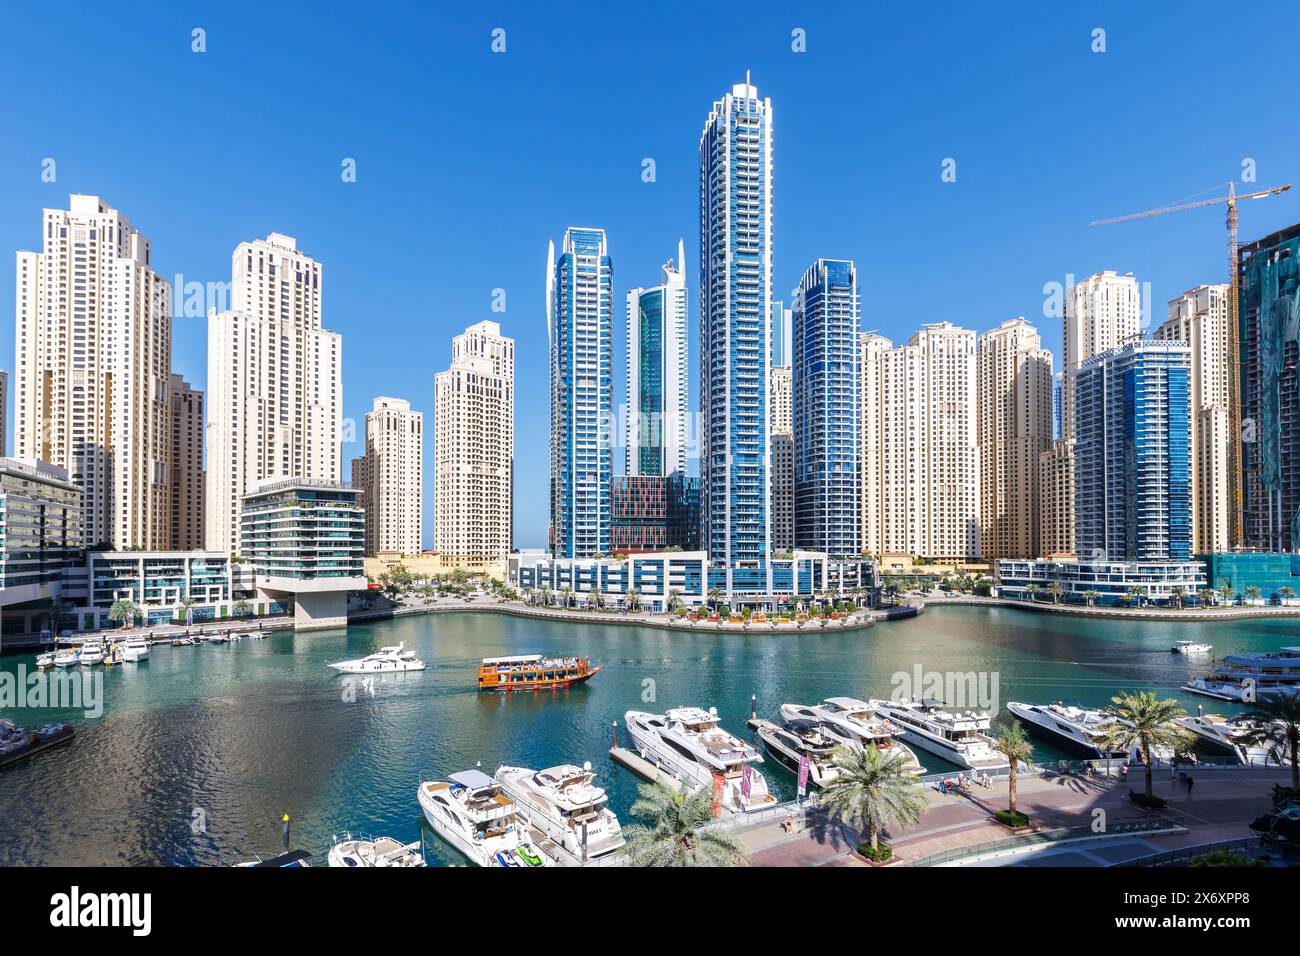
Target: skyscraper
x: 1056, y: 514
x: 657, y: 405
x: 1199, y: 317
x: 93, y: 370
x: 735, y: 310
x: 1014, y: 427
x: 473, y: 450
x: 390, y: 477
x: 580, y: 306
x: 782, y: 334
x: 827, y: 404
x: 4, y: 413
x: 1101, y: 312
x: 1268, y: 306
x: 782, y: 463
x: 187, y: 478
x: 275, y: 391
x: 1133, y: 454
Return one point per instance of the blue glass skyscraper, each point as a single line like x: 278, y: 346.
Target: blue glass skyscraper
x: 826, y: 399
x: 1133, y: 454
x: 579, y: 302
x: 735, y: 306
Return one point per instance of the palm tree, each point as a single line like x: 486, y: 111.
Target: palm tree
x: 123, y: 612
x: 674, y: 599
x: 1179, y: 592
x: 1225, y: 591
x: 1133, y: 593
x: 1016, y: 747
x: 568, y: 595
x: 1285, y: 593
x: 242, y: 608
x: 1055, y: 590
x: 595, y: 598
x: 1205, y: 596
x: 1279, y: 717
x: 1091, y: 597
x: 58, y: 612
x: 678, y: 831
x: 632, y: 600
x: 1253, y: 593
x: 1032, y: 591
x: 715, y: 597
x: 185, y: 604
x: 1145, y: 722
x: 871, y: 790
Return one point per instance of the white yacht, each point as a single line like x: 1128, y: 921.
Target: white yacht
x: 1237, y: 737
x: 565, y: 805
x: 349, y: 851
x: 801, y: 738
x: 1078, y: 729
x: 688, y: 743
x: 852, y: 721
x: 45, y: 660
x: 388, y: 660
x: 471, y: 813
x: 92, y: 652
x: 1240, y: 688
x: 1191, y: 647
x: 65, y: 658
x: 960, y: 738
x: 136, y: 649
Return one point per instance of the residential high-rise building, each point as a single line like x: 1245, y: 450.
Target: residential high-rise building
x: 652, y: 512
x: 1056, y: 514
x: 735, y: 312
x: 1199, y: 317
x: 782, y: 463
x: 4, y: 412
x: 187, y: 478
x: 827, y: 404
x: 782, y: 334
x: 925, y: 495
x: 1014, y: 428
x: 474, y: 448
x: 579, y: 302
x: 391, y: 477
x: 1133, y: 454
x: 93, y: 367
x: 1101, y: 312
x: 275, y: 390
x: 1269, y: 349
x: 657, y: 406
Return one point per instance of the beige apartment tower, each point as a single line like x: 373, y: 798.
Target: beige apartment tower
x: 780, y: 384
x: 920, y: 453
x: 474, y: 441
x: 1101, y: 312
x: 1199, y: 317
x: 390, y: 476
x: 186, y: 465
x: 1056, y: 515
x: 1014, y: 425
x: 275, y: 391
x: 93, y: 370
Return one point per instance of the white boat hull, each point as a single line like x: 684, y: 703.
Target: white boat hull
x: 693, y: 774
x: 355, y: 667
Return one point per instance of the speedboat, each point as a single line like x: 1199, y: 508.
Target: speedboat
x: 65, y: 658
x: 852, y: 721
x: 565, y: 805
x: 136, y: 649
x: 1247, y: 740
x: 349, y: 851
x: 293, y: 859
x: 183, y: 641
x: 960, y: 738
x: 1191, y: 647
x: 19, y: 742
x: 689, y: 745
x: 45, y: 660
x: 388, y: 660
x: 798, y: 740
x: 1078, y: 729
x: 92, y: 652
x: 470, y: 811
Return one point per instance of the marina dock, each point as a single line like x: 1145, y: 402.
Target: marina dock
x: 642, y: 767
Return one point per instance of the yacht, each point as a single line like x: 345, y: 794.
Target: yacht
x: 136, y: 649
x: 960, y: 738
x: 92, y: 652
x: 852, y: 721
x: 66, y: 657
x: 1078, y: 729
x: 19, y: 742
x: 294, y: 859
x: 801, y: 738
x: 45, y: 660
x: 564, y: 804
x: 688, y: 743
x: 349, y: 851
x: 388, y: 660
x: 1191, y: 647
x: 471, y: 813
x: 1238, y: 688
x: 1242, y: 738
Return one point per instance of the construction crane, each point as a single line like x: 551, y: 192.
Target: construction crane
x: 1234, y: 376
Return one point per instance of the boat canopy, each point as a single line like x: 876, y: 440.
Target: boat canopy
x: 520, y: 659
x: 473, y: 779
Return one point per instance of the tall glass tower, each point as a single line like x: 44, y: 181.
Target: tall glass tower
x: 656, y: 374
x: 579, y: 303
x: 735, y: 306
x: 826, y: 406
x: 1133, y: 454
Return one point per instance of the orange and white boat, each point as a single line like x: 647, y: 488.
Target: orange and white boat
x: 533, y: 672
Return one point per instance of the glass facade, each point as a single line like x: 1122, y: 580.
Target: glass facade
x: 304, y: 530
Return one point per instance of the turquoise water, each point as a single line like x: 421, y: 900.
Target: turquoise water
x: 200, y: 750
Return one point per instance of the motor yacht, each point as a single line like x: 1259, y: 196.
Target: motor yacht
x: 687, y: 743
x: 959, y: 738
x: 136, y: 649
x: 66, y: 657
x: 1239, y: 688
x: 799, y: 739
x: 565, y: 805
x: 45, y: 660
x: 19, y: 742
x: 1191, y: 647
x: 1078, y: 729
x: 470, y: 811
x: 92, y: 652
x: 349, y: 851
x: 387, y: 660
x: 1246, y: 740
x: 852, y: 721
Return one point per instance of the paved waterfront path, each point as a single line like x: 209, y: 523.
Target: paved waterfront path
x: 1222, y: 805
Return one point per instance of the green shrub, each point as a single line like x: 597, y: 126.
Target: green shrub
x: 1013, y: 820
x: 1224, y: 858
x: 879, y: 855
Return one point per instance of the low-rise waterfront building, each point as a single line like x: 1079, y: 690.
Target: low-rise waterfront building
x: 40, y: 537
x: 1102, y: 583
x: 1270, y: 577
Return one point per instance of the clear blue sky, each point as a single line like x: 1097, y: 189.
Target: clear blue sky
x: 469, y: 161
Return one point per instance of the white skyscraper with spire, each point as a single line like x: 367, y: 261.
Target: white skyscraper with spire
x: 656, y: 413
